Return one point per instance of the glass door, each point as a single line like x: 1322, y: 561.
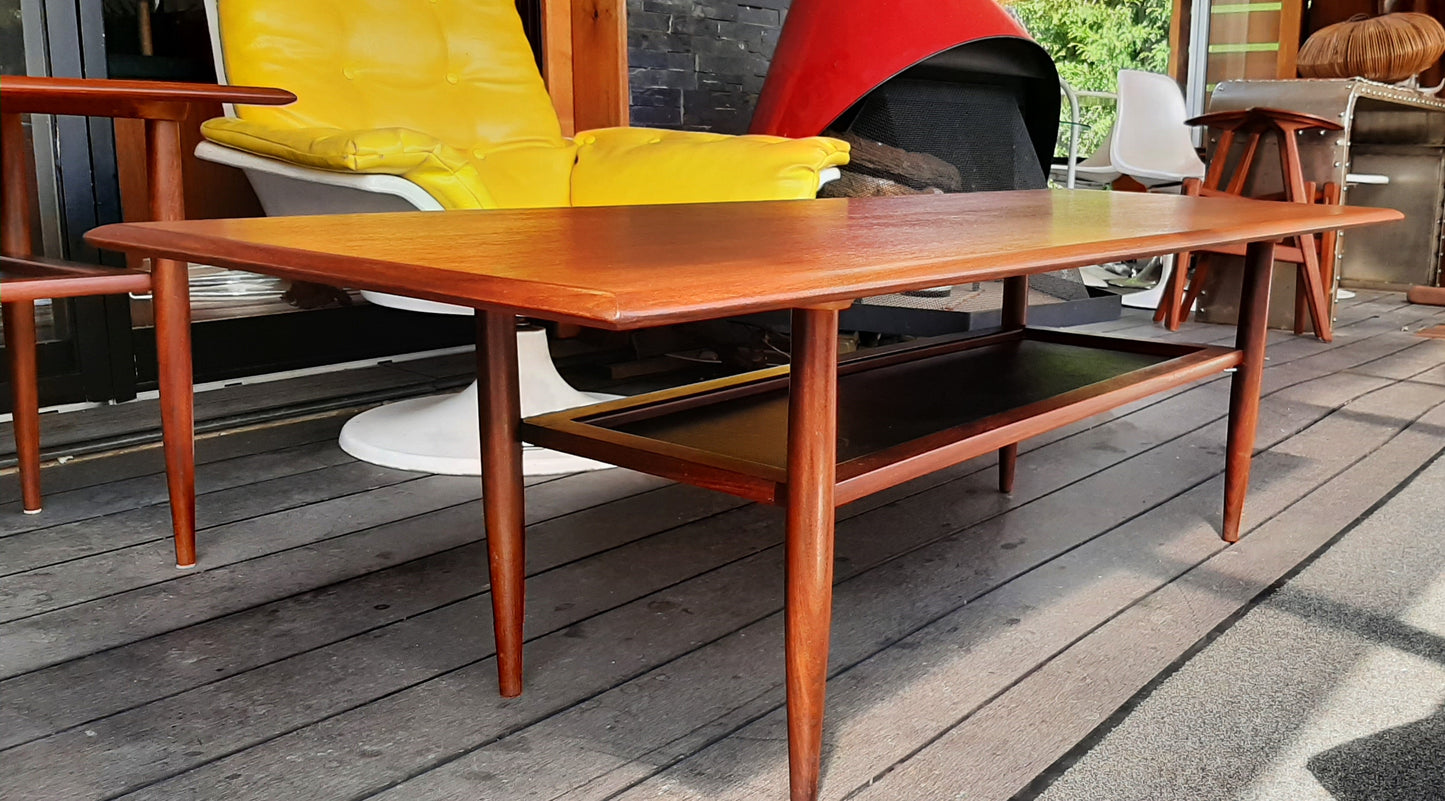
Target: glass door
x: 78, y: 360
x: 1224, y: 40
x: 89, y: 172
x: 245, y: 324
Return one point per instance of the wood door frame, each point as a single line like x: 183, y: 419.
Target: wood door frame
x: 584, y: 60
x: 1181, y: 19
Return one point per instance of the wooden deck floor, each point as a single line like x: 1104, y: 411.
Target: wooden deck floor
x: 335, y: 643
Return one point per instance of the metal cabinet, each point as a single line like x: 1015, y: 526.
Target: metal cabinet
x: 1388, y: 131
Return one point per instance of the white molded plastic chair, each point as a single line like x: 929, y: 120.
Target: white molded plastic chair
x: 1097, y: 170
x: 1151, y: 142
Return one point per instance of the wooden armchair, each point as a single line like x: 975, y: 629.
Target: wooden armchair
x: 25, y: 278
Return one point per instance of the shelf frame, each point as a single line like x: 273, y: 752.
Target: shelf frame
x: 595, y: 431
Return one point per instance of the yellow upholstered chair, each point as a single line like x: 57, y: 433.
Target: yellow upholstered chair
x: 438, y: 104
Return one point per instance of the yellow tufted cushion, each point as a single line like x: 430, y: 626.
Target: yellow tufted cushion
x: 627, y: 166
x: 524, y: 176
x: 461, y: 71
x: 446, y: 93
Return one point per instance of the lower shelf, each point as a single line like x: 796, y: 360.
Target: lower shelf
x: 902, y: 412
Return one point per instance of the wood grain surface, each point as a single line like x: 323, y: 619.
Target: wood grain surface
x: 161, y: 100
x: 626, y: 267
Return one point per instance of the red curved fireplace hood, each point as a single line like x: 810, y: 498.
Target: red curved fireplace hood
x: 832, y: 53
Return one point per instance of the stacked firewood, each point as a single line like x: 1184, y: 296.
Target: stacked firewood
x: 875, y: 169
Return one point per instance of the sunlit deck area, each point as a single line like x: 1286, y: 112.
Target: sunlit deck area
x: 335, y: 641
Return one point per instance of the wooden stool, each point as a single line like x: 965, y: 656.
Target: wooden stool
x: 1315, y: 258
x: 25, y: 279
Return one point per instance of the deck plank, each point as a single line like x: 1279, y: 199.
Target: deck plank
x: 142, y: 460
x: 98, y: 685
x: 1406, y: 363
x: 1062, y: 702
x: 464, y: 721
x: 387, y: 527
x: 238, y: 524
x: 872, y: 609
x: 336, y: 641
x: 259, y: 705
x: 85, y: 503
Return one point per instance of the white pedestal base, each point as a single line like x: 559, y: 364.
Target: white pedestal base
x: 442, y: 434
x: 1149, y: 298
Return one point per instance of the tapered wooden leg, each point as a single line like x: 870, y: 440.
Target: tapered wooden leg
x: 20, y: 345
x: 19, y: 317
x: 1313, y: 290
x: 170, y: 282
x: 1329, y: 244
x: 1185, y: 306
x: 1302, y: 306
x: 1173, y: 289
x: 1167, y: 311
x: 1244, y: 389
x: 1008, y: 459
x: 812, y: 452
x: 171, y: 292
x: 1015, y: 315
x: 502, y: 500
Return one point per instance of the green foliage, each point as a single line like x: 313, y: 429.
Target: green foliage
x: 1090, y: 41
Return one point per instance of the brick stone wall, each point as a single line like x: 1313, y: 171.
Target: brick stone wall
x: 699, y: 64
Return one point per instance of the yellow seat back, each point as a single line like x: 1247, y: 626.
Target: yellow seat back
x: 461, y: 71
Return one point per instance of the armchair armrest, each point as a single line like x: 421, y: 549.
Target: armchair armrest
x: 621, y: 166
x: 443, y: 171
x: 154, y: 100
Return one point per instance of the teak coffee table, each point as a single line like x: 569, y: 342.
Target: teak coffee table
x: 819, y: 434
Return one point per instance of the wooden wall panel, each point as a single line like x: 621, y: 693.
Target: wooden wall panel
x: 1260, y: 26
x: 557, y: 59
x: 1235, y: 66
x: 1179, y: 24
x: 1291, y: 20
x: 599, y: 64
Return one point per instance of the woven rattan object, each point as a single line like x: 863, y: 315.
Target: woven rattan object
x: 1388, y: 48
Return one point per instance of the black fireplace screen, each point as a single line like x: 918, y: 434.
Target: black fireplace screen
x: 978, y: 128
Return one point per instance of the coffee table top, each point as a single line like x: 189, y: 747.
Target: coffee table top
x: 634, y: 266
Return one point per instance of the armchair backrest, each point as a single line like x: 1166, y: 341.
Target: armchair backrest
x: 461, y: 71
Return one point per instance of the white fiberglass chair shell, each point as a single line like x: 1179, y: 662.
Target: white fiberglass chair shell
x: 1096, y: 171
x: 343, y: 150
x: 1151, y: 142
